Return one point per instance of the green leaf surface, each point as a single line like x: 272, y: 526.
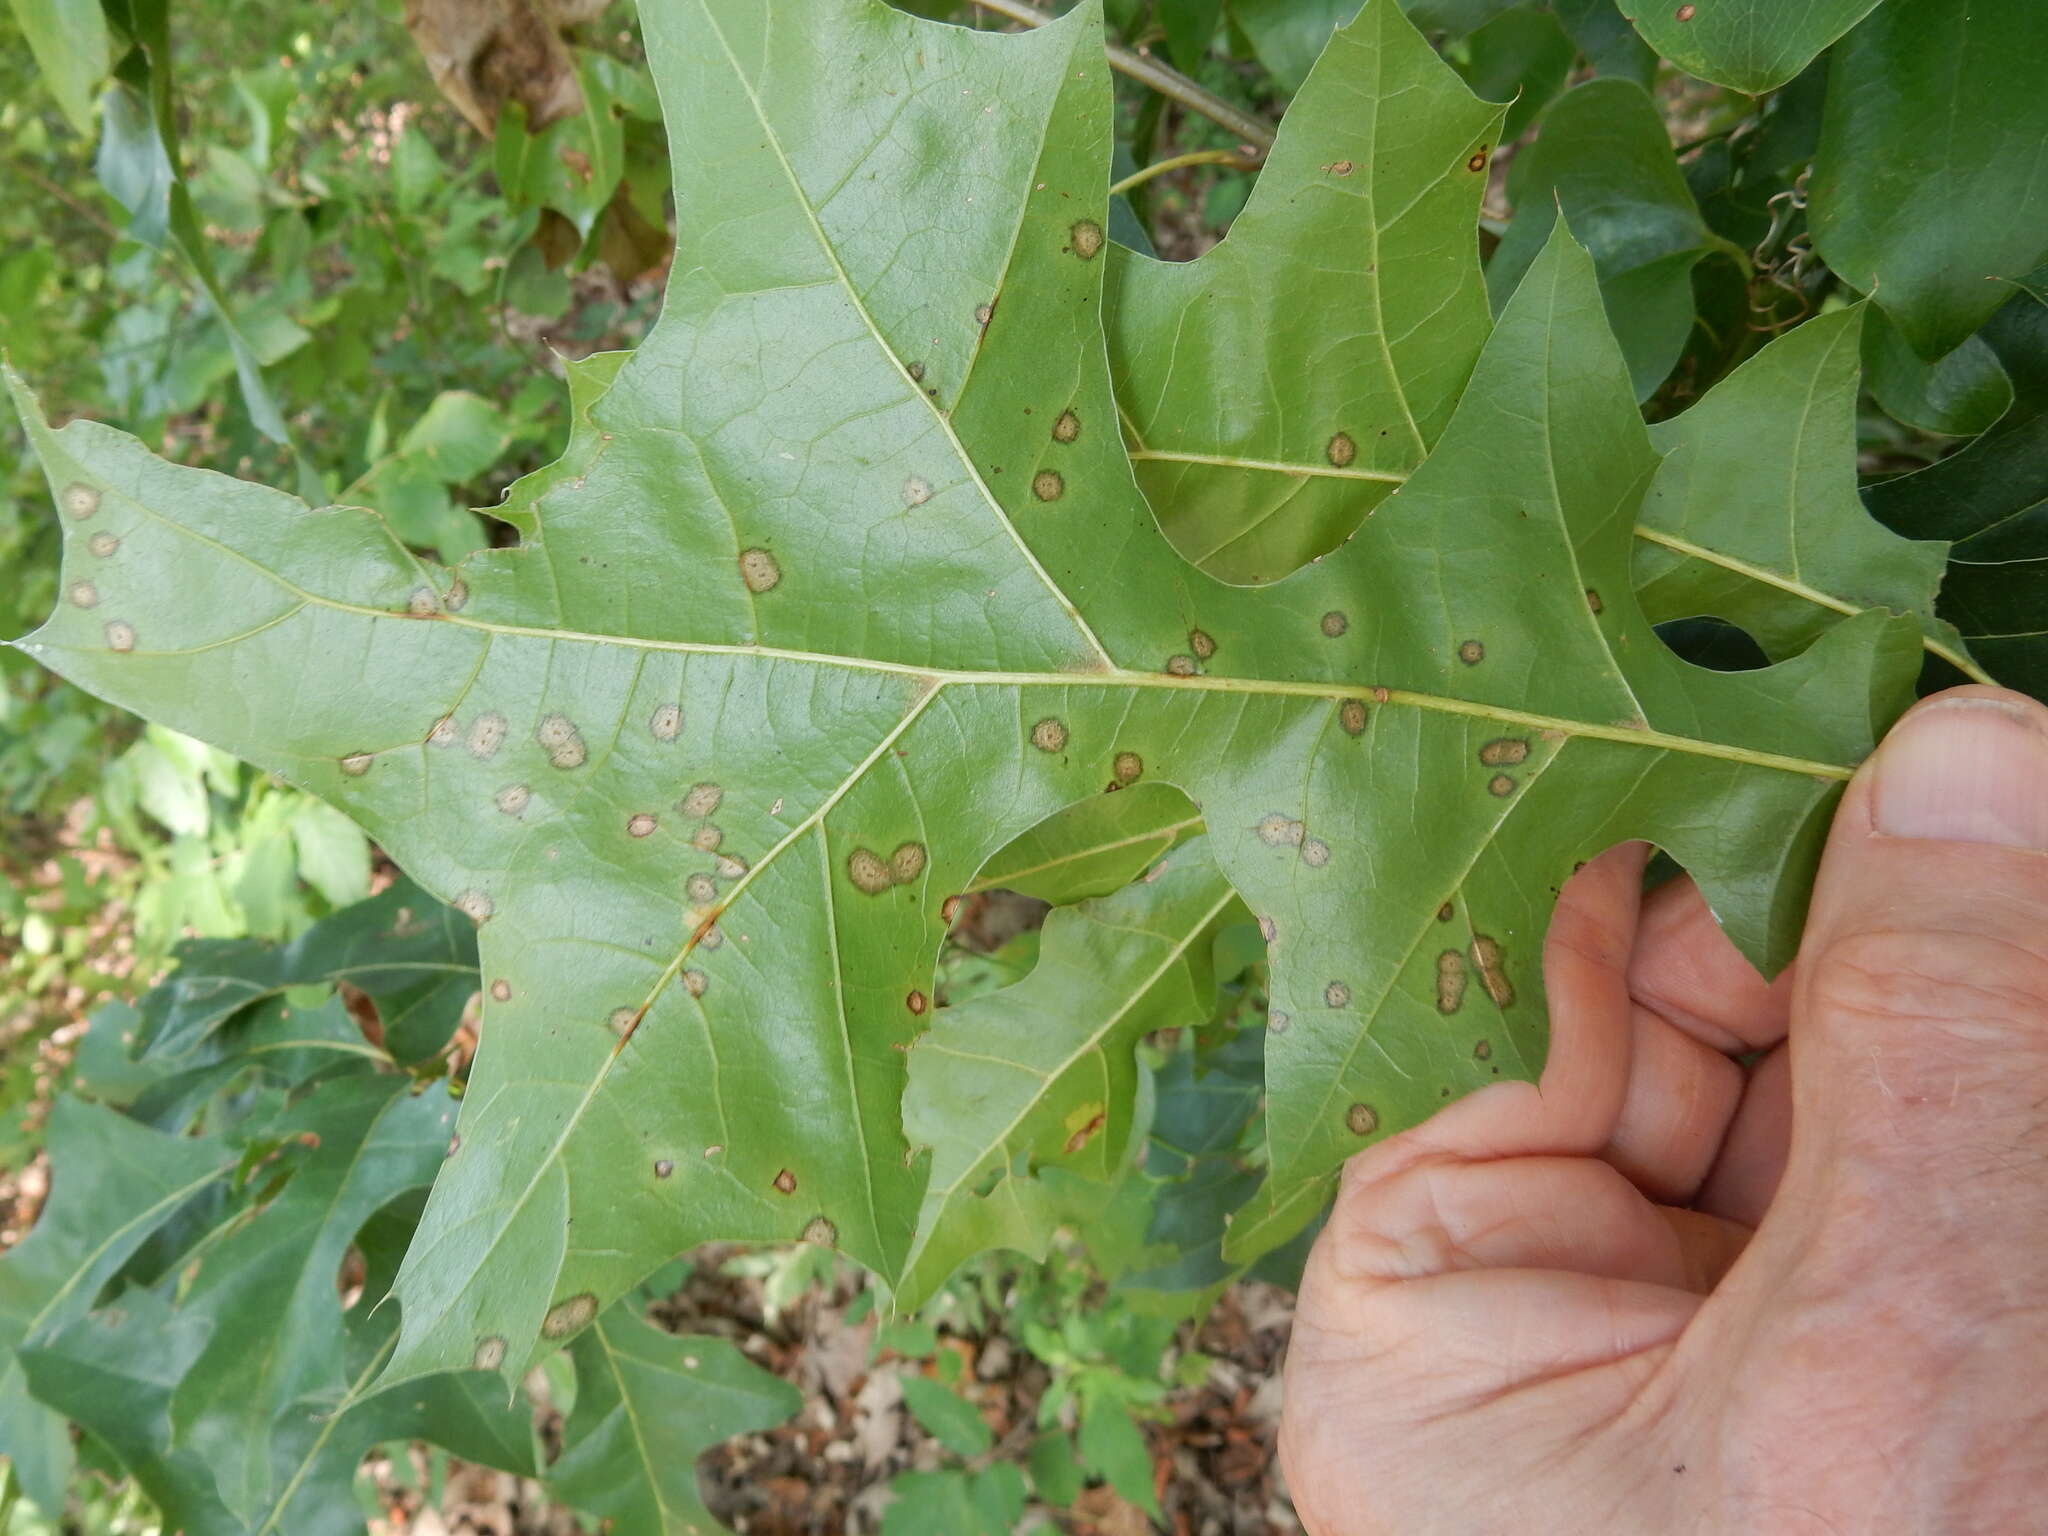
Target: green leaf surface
x: 1523, y: 56
x: 115, y: 1374
x: 1753, y: 516
x: 1602, y: 157
x: 648, y: 1404
x: 1044, y: 1072
x: 1991, y: 498
x: 410, y: 955
x: 117, y: 1182
x: 1113, y: 1447
x: 69, y: 41
x: 822, y: 607
x: 1094, y: 847
x: 955, y: 1502
x: 1267, y: 417
x: 1959, y: 394
x: 266, y: 1291
x: 946, y: 1416
x: 1748, y: 45
x: 1930, y: 183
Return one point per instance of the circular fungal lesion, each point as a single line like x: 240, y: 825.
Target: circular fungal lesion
x: 1315, y: 853
x: 1128, y: 768
x: 487, y: 734
x: 785, y: 1182
x: 1269, y: 930
x: 663, y: 1167
x: 1277, y: 1020
x: 620, y: 1021
x: 1593, y: 600
x: 666, y: 723
x: 1181, y: 666
x: 641, y: 824
x: 710, y: 938
x: 1501, y: 785
x: 1340, y: 450
x: 868, y: 871
x: 759, y: 570
x: 1048, y: 485
x: 916, y: 491
x: 1491, y: 962
x: 1478, y: 159
x: 1445, y: 912
x: 513, y: 799
x: 1471, y: 652
x: 1202, y: 643
x: 120, y: 635
x: 501, y: 991
x: 730, y: 866
x: 701, y: 801
x: 916, y: 1002
x: 1483, y: 1051
x: 1066, y: 426
x: 490, y: 1354
x: 1335, y: 623
x: 443, y: 732
x: 83, y: 594
x: 1351, y: 716
x: 567, y: 1317
x: 1362, y: 1119
x: 907, y: 862
x: 821, y: 1233
x: 1505, y: 751
x: 356, y: 764
x: 1337, y: 995
x: 983, y: 313
x: 103, y: 545
x: 80, y: 500
x: 696, y: 983
x: 701, y: 889
x: 476, y: 905
x: 1049, y: 734
x: 707, y: 838
x: 458, y: 596
x: 1085, y: 239
x: 423, y: 603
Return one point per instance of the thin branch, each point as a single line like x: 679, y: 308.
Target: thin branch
x: 1229, y: 157
x: 1148, y: 71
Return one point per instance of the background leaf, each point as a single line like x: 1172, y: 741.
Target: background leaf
x: 1929, y: 184
x: 69, y: 40
x: 1747, y: 45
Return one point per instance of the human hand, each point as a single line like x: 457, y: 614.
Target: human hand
x: 1664, y: 1294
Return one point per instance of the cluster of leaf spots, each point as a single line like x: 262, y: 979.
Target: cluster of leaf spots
x: 1450, y: 982
x: 872, y: 874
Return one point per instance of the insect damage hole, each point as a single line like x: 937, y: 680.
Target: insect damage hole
x: 1066, y: 427
x: 666, y: 723
x: 1085, y: 239
x: 1340, y: 450
x: 759, y: 570
x: 486, y: 735
x: 80, y: 501
x: 1362, y: 1119
x: 1049, y: 734
x: 701, y: 801
x: 570, y: 1316
x: 563, y: 743
x: 1048, y: 485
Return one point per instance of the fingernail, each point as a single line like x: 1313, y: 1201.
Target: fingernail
x: 1968, y: 770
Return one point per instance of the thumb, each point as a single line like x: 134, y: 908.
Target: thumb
x: 1920, y: 1005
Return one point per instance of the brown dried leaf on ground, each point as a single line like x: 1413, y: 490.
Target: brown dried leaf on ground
x: 484, y: 53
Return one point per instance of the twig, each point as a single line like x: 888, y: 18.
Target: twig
x: 1229, y: 157
x: 1167, y: 82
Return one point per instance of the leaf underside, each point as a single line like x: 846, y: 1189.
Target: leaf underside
x: 845, y: 580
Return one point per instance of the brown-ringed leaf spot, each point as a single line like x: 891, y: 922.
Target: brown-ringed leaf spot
x: 1351, y: 716
x: 120, y: 635
x: 1362, y: 1119
x: 1471, y: 652
x: 759, y: 570
x: 666, y: 723
x: 80, y: 501
x: 103, y: 545
x: 1337, y: 994
x: 513, y: 799
x: 486, y: 735
x: 1450, y: 982
x: 701, y: 801
x: 1334, y: 623
x: 785, y: 1181
x: 1340, y: 450
x: 571, y: 1316
x: 1048, y: 485
x: 1049, y: 734
x: 84, y: 594
x: 1128, y: 768
x: 1491, y: 961
x: 1066, y: 427
x: 868, y: 871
